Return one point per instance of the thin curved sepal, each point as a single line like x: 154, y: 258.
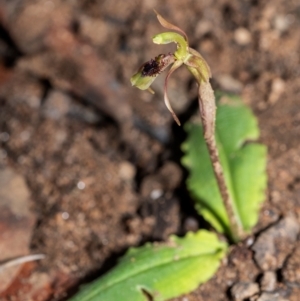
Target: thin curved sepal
x: 168, y: 25
x: 175, y: 66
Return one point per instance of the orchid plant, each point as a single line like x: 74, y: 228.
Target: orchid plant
x: 195, y: 63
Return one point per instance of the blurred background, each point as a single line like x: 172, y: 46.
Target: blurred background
x: 90, y: 166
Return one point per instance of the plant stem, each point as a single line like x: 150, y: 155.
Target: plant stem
x: 208, y: 115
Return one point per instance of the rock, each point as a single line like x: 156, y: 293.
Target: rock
x: 268, y: 281
x: 275, y: 244
x: 90, y: 28
x: 271, y: 297
x: 16, y: 222
x: 203, y: 27
x: 282, y: 23
x: 241, y: 258
x: 244, y: 290
x: 84, y: 113
x: 190, y: 224
x: 57, y: 105
x: 127, y: 171
x: 30, y: 22
x: 277, y: 88
x: 242, y: 36
x: 291, y: 270
x: 228, y: 83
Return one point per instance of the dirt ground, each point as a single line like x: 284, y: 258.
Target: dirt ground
x: 100, y: 160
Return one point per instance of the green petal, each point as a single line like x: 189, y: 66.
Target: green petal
x: 173, y: 37
x: 195, y: 61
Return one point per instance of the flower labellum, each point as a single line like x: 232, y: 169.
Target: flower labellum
x: 148, y: 72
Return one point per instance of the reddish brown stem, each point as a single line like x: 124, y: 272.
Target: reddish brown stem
x: 208, y: 116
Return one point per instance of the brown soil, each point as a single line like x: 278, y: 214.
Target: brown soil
x: 102, y: 159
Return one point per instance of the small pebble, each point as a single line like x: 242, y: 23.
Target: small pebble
x: 65, y: 215
x: 203, y: 27
x: 127, y: 171
x: 25, y: 135
x: 277, y: 88
x: 4, y: 137
x: 80, y: 185
x: 276, y: 243
x: 282, y: 22
x: 228, y: 83
x: 268, y: 281
x: 291, y: 269
x: 243, y: 290
x: 242, y: 36
x: 190, y: 224
x: 57, y: 105
x: 271, y: 297
x: 3, y: 154
x: 249, y: 241
x: 155, y: 194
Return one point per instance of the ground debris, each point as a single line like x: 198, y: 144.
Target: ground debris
x: 244, y: 290
x: 270, y: 297
x: 268, y: 281
x: 274, y: 245
x: 291, y: 270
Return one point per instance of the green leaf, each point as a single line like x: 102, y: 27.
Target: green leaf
x: 244, y: 165
x: 162, y: 270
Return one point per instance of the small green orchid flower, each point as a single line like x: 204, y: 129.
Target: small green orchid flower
x: 184, y: 55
